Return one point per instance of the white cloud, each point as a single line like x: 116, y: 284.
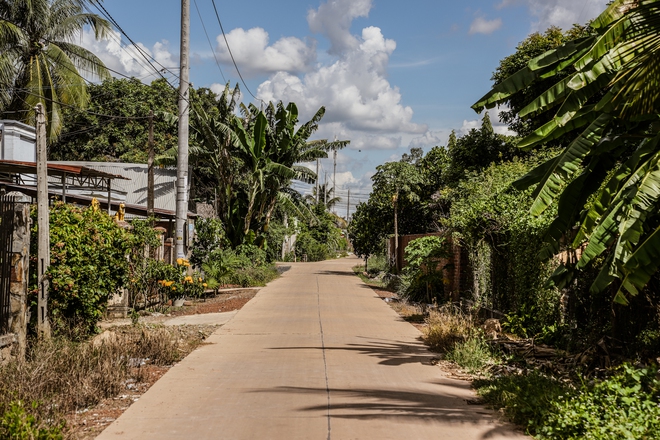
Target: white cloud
x: 334, y: 18
x: 431, y: 138
x: 127, y: 59
x: 561, y: 13
x: 354, y: 87
x: 482, y: 26
x: 254, y: 56
x: 498, y: 127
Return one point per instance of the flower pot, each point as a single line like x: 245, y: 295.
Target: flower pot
x: 179, y: 302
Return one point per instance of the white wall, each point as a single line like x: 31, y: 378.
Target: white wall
x: 17, y: 141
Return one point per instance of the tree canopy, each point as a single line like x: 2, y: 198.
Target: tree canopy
x: 39, y: 63
x: 607, y: 179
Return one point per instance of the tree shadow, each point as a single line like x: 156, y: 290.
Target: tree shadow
x: 391, y: 353
x: 444, y: 406
x: 336, y: 272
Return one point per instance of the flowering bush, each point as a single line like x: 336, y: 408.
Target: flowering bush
x: 178, y: 284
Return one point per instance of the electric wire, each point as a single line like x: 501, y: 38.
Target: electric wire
x: 217, y: 62
x: 146, y: 56
x: 217, y: 15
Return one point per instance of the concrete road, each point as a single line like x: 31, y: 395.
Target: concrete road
x: 315, y: 355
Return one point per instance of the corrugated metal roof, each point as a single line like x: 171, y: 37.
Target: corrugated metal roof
x: 133, y: 191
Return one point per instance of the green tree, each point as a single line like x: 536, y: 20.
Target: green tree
x: 476, y: 151
x: 607, y: 179
x: 534, y: 45
x: 40, y: 63
x: 87, y: 136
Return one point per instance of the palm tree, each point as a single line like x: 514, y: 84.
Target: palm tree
x: 39, y: 63
x: 326, y: 196
x: 607, y: 180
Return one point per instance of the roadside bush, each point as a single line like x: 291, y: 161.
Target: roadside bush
x: 253, y: 276
x: 209, y: 236
x: 376, y: 264
x: 18, y: 424
x: 424, y: 276
x: 64, y: 376
x: 88, y: 265
x: 527, y: 399
x: 623, y: 406
x: 473, y: 354
x: 446, y: 327
x: 315, y: 251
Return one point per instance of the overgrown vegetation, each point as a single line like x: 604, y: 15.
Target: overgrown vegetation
x: 623, y: 406
x: 88, y: 265
x: 59, y: 376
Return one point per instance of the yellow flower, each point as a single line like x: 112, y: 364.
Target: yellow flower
x: 179, y: 261
x: 200, y: 279
x: 174, y: 288
x: 189, y: 279
x: 204, y: 284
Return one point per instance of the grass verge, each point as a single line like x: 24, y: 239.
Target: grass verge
x: 59, y: 377
x: 625, y: 405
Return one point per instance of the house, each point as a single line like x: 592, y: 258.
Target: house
x: 17, y: 141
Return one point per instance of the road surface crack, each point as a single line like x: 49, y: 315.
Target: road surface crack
x: 325, y: 363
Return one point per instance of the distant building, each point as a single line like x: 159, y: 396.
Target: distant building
x: 133, y: 191
x: 17, y: 141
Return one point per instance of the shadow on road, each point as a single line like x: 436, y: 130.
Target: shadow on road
x: 446, y: 406
x: 391, y: 353
x: 336, y: 272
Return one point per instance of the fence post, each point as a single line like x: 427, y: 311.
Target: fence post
x: 20, y: 271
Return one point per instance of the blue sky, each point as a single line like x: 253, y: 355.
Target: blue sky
x: 391, y: 74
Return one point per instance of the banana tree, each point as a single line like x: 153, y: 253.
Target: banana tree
x: 606, y: 181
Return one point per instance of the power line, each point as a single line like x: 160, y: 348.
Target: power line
x: 209, y: 40
x: 146, y: 57
x: 229, y: 49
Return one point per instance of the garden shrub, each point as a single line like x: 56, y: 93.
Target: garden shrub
x: 16, y: 423
x: 307, y: 245
x: 425, y: 278
x: 88, y: 265
x: 473, y: 354
x: 623, y: 406
x: 209, y: 236
x: 446, y: 327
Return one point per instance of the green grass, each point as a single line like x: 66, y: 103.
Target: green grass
x: 624, y: 406
x: 473, y: 354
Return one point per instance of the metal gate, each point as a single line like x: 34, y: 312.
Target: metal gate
x: 7, y: 204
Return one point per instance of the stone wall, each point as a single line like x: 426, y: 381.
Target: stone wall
x: 13, y: 344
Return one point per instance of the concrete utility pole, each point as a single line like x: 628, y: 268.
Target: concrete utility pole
x: 395, y: 199
x: 43, y: 219
x: 317, y: 180
x: 348, y: 205
x: 150, y: 168
x: 325, y: 190
x: 334, y: 173
x: 182, y: 157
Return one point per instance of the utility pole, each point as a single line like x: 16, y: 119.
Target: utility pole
x: 325, y: 191
x: 150, y: 168
x: 348, y: 205
x: 43, y: 252
x: 334, y: 172
x: 317, y: 180
x: 395, y: 198
x: 182, y: 157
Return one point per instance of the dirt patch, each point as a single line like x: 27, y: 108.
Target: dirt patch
x: 226, y: 302
x: 88, y: 423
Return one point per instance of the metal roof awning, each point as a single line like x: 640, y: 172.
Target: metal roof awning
x: 17, y: 167
x: 139, y: 210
